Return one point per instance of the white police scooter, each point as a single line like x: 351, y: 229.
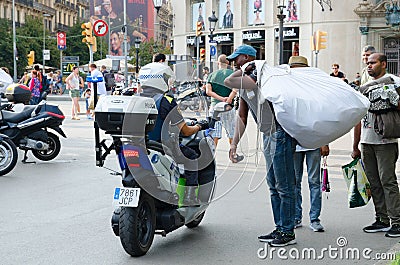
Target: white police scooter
x: 150, y: 200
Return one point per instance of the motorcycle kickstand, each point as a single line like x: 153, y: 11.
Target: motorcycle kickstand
x: 26, y: 157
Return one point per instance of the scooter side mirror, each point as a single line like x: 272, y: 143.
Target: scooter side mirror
x: 44, y: 96
x: 222, y: 107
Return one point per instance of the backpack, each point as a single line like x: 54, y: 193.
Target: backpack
x: 45, y: 84
x: 109, y: 80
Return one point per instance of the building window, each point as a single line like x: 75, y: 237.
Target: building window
x: 392, y: 51
x: 5, y: 12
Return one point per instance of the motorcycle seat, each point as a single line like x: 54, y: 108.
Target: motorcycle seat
x: 16, y: 117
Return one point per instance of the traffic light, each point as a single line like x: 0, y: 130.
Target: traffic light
x: 31, y: 58
x: 320, y: 40
x: 199, y: 28
x: 87, y: 32
x: 202, y: 54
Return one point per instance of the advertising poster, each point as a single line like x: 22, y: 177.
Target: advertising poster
x: 225, y: 16
x: 198, y: 14
x: 292, y: 10
x: 256, y: 12
x: 140, y: 21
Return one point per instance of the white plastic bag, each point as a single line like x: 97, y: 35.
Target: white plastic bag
x: 311, y: 106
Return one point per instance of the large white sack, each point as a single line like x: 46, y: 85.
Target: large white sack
x: 5, y: 80
x: 311, y: 106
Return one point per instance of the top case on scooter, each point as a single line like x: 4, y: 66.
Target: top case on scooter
x: 126, y: 115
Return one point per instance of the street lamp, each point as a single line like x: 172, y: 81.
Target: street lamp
x: 281, y: 17
x: 213, y: 22
x: 44, y: 37
x: 14, y: 41
x: 157, y: 4
x: 137, y: 46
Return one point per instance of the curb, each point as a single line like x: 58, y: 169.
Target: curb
x: 61, y: 98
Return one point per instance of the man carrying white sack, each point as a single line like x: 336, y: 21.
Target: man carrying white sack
x: 379, y: 156
x: 297, y: 115
x: 278, y: 151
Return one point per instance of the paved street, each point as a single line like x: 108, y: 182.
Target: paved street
x: 59, y: 212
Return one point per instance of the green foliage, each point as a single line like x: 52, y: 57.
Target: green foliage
x: 29, y: 37
x: 146, y: 52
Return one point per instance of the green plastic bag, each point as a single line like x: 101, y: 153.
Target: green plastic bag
x: 358, y: 187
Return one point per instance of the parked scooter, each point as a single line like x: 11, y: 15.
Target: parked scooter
x: 192, y: 98
x: 8, y: 155
x: 27, y: 126
x: 151, y: 199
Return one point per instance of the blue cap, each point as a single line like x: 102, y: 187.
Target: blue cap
x: 243, y: 49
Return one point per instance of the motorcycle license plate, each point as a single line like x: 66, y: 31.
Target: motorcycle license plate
x: 127, y: 197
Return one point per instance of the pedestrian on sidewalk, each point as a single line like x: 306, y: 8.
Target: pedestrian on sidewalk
x: 379, y: 156
x: 218, y: 92
x: 34, y: 87
x: 278, y: 149
x: 86, y: 96
x: 336, y: 72
x: 367, y: 51
x: 72, y: 82
x: 313, y: 162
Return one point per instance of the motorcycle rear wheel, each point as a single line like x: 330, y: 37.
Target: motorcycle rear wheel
x: 54, y: 148
x: 8, y: 156
x: 137, y: 226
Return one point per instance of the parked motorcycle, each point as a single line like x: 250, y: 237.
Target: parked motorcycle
x: 192, y: 98
x: 27, y: 126
x: 8, y: 155
x: 150, y: 200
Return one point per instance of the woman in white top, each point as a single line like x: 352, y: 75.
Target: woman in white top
x: 72, y: 82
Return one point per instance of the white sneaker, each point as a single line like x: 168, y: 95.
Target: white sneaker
x: 316, y: 226
x: 297, y: 224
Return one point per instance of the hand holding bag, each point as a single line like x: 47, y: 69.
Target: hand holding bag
x: 358, y: 187
x: 325, y: 186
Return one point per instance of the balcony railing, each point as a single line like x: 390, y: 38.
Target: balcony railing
x: 43, y: 8
x: 25, y: 2
x: 62, y: 26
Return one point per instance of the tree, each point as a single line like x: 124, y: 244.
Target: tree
x: 147, y: 50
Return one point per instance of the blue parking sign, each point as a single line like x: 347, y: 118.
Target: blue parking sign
x: 213, y: 50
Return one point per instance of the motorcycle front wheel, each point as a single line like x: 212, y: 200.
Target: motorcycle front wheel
x: 137, y: 226
x: 8, y: 156
x: 52, y: 152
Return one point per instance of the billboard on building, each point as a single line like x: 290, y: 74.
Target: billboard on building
x: 256, y: 12
x: 292, y: 10
x: 140, y: 21
x: 198, y: 14
x: 225, y: 15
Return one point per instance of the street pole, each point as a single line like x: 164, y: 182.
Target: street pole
x: 109, y: 35
x: 125, y: 47
x: 44, y: 42
x: 316, y: 59
x: 211, y: 63
x: 198, y: 57
x: 90, y: 53
x: 14, y: 42
x: 281, y: 17
x: 137, y: 61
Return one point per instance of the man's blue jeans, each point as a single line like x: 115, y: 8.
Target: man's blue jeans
x: 278, y: 152
x: 313, y: 161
